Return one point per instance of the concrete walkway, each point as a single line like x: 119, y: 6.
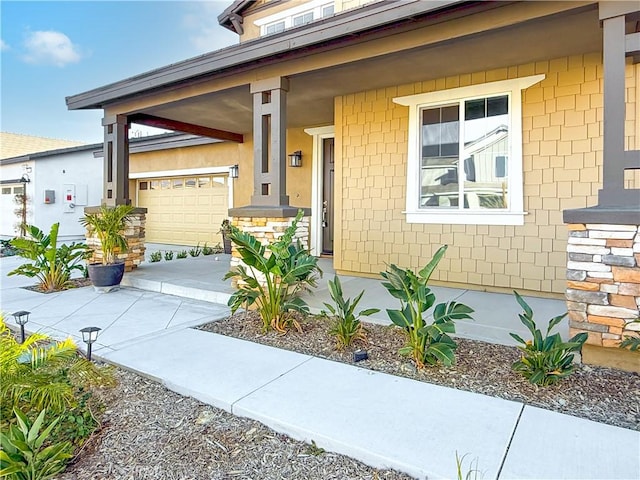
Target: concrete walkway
x: 383, y: 420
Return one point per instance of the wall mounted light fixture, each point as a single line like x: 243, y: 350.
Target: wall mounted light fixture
x: 234, y: 171
x: 295, y: 158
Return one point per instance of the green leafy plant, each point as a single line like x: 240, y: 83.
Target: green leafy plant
x: 6, y: 249
x: 272, y: 277
x: 168, y: 255
x: 155, y: 257
x: 182, y: 254
x: 42, y: 374
x: 195, y: 251
x: 206, y: 250
x: 109, y: 224
x: 545, y: 360
x: 50, y: 264
x: 427, y: 344
x: 471, y: 473
x: 25, y: 453
x: 346, y: 326
x: 631, y: 343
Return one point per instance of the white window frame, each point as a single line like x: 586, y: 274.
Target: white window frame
x: 514, y: 214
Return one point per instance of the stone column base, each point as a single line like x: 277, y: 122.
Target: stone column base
x: 603, y: 287
x: 135, y: 235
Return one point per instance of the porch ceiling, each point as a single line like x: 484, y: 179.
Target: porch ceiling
x: 310, y: 99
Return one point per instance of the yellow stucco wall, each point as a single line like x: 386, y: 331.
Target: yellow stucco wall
x: 562, y: 159
x: 228, y: 153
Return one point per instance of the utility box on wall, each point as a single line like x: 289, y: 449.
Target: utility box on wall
x: 69, y: 197
x: 49, y: 196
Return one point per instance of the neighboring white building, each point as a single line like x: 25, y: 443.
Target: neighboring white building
x: 59, y: 184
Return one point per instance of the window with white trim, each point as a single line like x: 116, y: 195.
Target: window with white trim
x: 464, y: 163
x: 275, y: 27
x: 303, y: 19
x: 301, y: 14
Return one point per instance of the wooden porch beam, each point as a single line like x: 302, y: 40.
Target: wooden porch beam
x: 168, y: 124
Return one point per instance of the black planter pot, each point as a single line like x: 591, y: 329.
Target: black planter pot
x: 106, y: 277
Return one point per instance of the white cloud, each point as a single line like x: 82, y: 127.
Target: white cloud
x: 50, y: 48
x: 4, y: 46
x: 205, y: 34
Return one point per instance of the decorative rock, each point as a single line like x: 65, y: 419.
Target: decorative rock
x: 625, y: 252
x: 619, y: 260
x: 609, y: 311
x: 598, y: 298
x: 624, y: 301
x: 592, y: 249
x: 587, y: 241
x: 577, y: 306
x: 620, y: 235
x: 609, y: 321
x: 581, y: 257
x: 577, y: 275
x: 608, y: 228
x: 589, y: 286
x: 630, y: 275
x: 629, y: 289
x: 588, y: 266
x: 608, y: 288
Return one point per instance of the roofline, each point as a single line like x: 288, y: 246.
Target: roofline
x: 236, y: 8
x: 163, y: 141
x: 296, y: 41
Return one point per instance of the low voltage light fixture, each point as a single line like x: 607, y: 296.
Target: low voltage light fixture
x: 234, y: 171
x: 360, y: 355
x: 89, y: 335
x: 295, y: 158
x: 21, y: 317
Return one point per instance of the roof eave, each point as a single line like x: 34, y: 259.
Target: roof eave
x: 344, y: 25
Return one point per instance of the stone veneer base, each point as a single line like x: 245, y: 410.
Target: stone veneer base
x: 135, y: 234
x: 603, y: 287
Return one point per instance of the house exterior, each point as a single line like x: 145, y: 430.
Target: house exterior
x: 486, y: 126
x: 60, y: 183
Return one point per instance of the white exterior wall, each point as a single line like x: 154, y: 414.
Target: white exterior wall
x: 9, y: 221
x: 53, y: 172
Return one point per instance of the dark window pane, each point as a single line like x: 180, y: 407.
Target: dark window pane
x: 430, y: 150
x: 450, y: 114
x: 449, y: 149
x: 501, y: 166
x: 474, y: 109
x: 497, y: 106
x: 144, y: 185
x: 431, y: 116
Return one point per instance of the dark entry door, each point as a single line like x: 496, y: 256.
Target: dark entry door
x: 327, y: 196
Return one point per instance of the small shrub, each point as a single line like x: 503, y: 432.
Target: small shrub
x: 206, y: 250
x: 427, y: 344
x: 26, y: 452
x: 155, y: 257
x: 272, y: 277
x: 168, y: 255
x: 49, y: 263
x: 631, y: 343
x: 346, y: 327
x: 195, y: 251
x: 6, y: 250
x: 182, y: 254
x: 545, y: 360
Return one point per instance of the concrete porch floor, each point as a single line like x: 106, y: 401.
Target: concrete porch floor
x: 496, y: 314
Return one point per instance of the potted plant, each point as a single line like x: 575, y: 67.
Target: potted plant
x: 108, y: 224
x: 225, y: 230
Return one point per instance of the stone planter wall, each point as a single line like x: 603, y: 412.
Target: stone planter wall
x: 266, y: 230
x: 603, y: 287
x: 135, y: 235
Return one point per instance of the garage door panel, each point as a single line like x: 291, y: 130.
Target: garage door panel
x: 187, y: 215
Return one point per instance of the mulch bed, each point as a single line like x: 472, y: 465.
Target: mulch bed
x: 596, y: 393
x: 73, y: 283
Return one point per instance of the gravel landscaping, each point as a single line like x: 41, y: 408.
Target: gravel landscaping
x: 601, y: 394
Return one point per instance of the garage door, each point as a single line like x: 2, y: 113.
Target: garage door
x: 184, y: 210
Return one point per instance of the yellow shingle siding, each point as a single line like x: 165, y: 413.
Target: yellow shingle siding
x: 15, y: 144
x: 562, y: 160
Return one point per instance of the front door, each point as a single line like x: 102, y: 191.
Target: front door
x: 327, y: 195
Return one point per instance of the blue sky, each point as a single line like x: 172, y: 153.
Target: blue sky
x: 51, y: 50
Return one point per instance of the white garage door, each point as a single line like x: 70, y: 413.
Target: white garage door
x: 184, y: 210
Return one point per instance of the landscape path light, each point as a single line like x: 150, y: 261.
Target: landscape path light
x: 21, y: 317
x: 89, y: 335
